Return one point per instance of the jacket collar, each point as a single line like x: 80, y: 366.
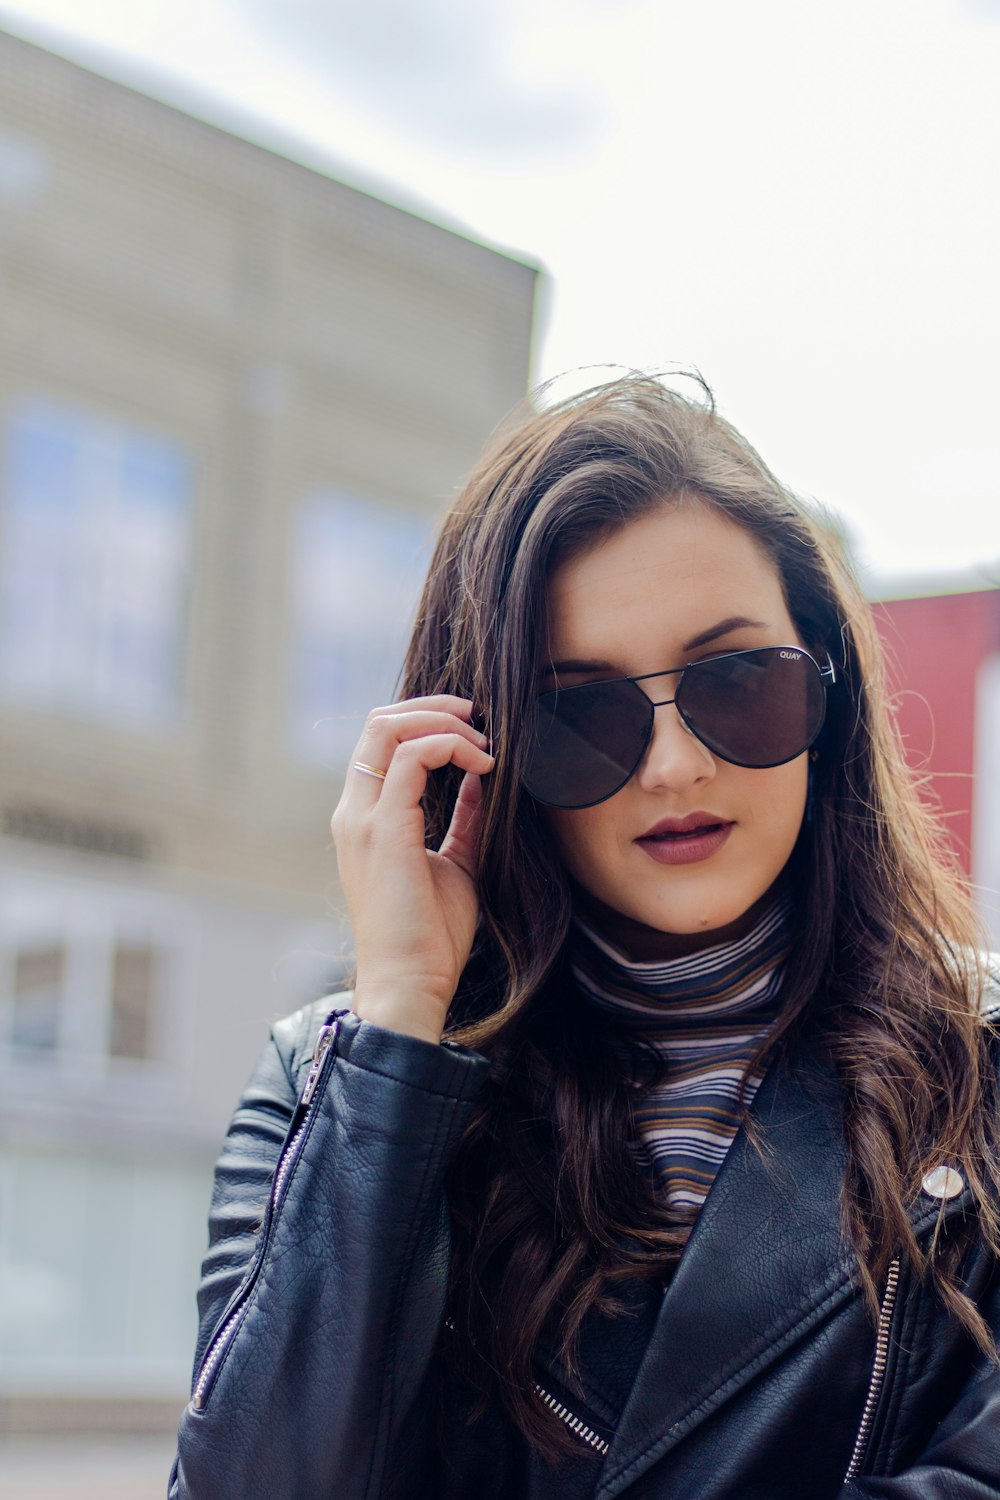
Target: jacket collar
x: 765, y: 1262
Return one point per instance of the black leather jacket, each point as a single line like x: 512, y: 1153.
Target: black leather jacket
x: 758, y: 1376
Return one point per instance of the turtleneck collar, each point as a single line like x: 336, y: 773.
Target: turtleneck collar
x: 728, y: 979
x: 705, y: 1016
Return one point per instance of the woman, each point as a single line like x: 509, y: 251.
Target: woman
x: 657, y: 1154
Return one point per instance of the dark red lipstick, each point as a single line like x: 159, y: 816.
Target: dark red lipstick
x: 685, y: 841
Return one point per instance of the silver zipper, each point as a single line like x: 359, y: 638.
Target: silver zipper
x: 220, y: 1343
x: 213, y: 1356
x: 324, y: 1041
x: 878, y: 1369
x: 574, y: 1423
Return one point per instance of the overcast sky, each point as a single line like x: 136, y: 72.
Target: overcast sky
x: 801, y: 200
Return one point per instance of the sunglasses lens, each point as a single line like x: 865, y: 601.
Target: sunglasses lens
x: 751, y: 708
x: 754, y: 708
x: 588, y: 741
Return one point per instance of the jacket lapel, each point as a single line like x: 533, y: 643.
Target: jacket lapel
x: 765, y: 1259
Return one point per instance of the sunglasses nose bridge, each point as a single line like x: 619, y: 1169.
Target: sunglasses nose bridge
x: 664, y: 759
x: 640, y: 683
x: 655, y: 703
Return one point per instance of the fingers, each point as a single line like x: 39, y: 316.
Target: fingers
x: 459, y: 844
x: 413, y: 759
x: 413, y: 911
x: 405, y: 742
x: 394, y: 717
x: 386, y: 729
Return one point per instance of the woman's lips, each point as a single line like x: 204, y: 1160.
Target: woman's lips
x: 685, y: 841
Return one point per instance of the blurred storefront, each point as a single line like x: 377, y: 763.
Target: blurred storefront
x: 943, y: 648
x: 233, y: 395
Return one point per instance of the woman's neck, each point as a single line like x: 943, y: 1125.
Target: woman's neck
x: 642, y: 944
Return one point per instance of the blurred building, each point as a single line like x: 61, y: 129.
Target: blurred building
x: 943, y: 649
x: 233, y: 394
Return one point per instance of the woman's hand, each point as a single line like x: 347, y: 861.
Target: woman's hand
x: 413, y: 910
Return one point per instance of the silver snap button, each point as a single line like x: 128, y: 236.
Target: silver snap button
x: 943, y: 1182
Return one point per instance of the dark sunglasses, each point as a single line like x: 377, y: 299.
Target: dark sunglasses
x: 752, y: 708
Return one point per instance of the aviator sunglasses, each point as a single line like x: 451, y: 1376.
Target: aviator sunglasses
x: 756, y: 708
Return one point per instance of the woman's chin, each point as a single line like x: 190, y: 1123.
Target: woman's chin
x: 673, y: 932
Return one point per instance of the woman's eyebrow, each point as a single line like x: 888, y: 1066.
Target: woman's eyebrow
x: 704, y: 638
x: 576, y: 664
x: 724, y: 627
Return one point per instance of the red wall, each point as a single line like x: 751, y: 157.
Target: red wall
x: 934, y: 648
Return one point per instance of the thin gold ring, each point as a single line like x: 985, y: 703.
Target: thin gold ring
x: 359, y: 765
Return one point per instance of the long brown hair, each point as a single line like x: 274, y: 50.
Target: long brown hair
x: 549, y: 1209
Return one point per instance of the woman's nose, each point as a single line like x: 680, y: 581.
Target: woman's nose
x: 675, y: 759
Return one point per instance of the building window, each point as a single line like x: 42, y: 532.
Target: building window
x: 357, y: 573
x: 95, y: 521
x: 90, y: 978
x: 133, y: 991
x: 36, y: 1000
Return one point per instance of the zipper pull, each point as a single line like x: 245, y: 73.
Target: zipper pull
x: 324, y: 1041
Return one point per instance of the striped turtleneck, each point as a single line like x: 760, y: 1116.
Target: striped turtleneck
x: 704, y: 1016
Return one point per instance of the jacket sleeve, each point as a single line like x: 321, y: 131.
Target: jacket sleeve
x: 322, y: 1295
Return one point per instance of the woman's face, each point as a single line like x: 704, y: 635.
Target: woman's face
x: 679, y: 584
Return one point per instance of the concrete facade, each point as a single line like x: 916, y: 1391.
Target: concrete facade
x: 269, y: 351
